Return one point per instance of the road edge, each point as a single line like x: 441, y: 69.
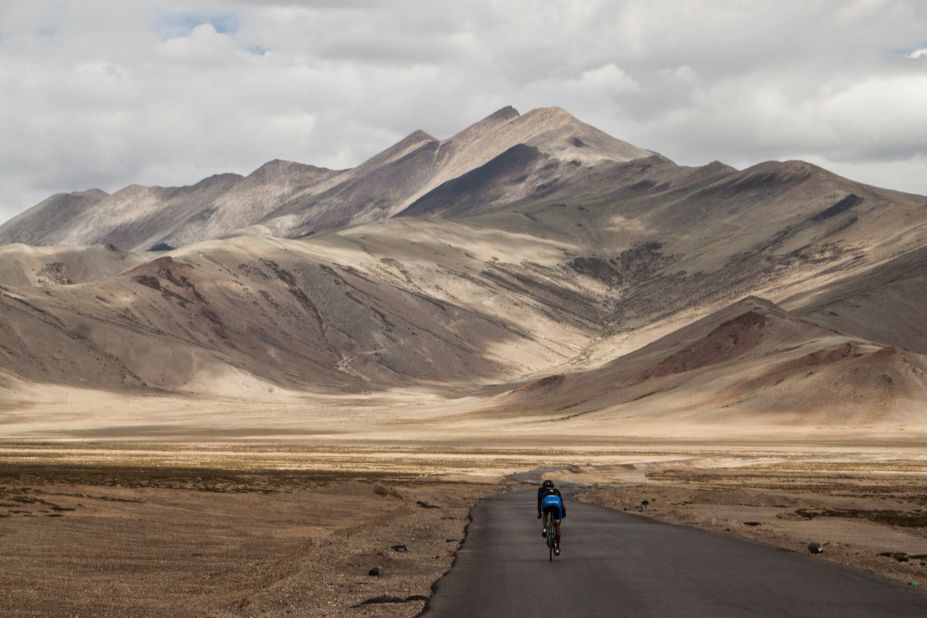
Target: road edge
x: 437, y: 583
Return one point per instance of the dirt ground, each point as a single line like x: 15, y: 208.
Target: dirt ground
x: 106, y: 541
x: 869, y: 515
x: 276, y: 529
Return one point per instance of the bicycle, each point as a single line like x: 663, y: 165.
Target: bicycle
x: 551, y: 538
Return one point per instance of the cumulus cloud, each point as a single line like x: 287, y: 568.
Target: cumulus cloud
x: 107, y: 93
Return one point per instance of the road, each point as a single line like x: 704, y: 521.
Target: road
x: 615, y: 564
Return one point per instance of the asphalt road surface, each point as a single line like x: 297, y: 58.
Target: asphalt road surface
x: 615, y: 564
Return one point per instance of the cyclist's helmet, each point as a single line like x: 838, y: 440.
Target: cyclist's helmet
x: 548, y: 483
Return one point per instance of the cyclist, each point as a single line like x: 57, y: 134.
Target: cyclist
x: 550, y: 504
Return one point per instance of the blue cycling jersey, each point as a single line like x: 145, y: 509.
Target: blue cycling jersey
x: 549, y: 498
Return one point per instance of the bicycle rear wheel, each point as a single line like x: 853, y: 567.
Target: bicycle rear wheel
x: 550, y: 539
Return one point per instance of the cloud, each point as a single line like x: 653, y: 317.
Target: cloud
x: 173, y: 24
x: 168, y: 91
x: 608, y: 78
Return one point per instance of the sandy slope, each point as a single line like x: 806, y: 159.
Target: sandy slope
x: 750, y: 363
x: 22, y: 265
x: 885, y: 303
x: 253, y: 313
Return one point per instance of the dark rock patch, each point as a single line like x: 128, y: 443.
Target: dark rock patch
x: 545, y: 382
x: 843, y: 205
x: 480, y: 185
x: 596, y: 268
x: 904, y: 519
x: 643, y: 185
x: 816, y: 548
x: 382, y: 490
x: 149, y: 281
x: 54, y: 272
x: 202, y: 215
x: 388, y: 598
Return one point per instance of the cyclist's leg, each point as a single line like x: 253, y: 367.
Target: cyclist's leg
x: 557, y: 522
x: 544, y: 523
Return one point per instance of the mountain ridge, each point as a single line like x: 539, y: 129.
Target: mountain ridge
x: 537, y: 289
x: 315, y: 199
x: 293, y: 199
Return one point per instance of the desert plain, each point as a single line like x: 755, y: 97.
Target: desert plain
x: 249, y: 528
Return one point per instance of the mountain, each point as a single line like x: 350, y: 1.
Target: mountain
x: 141, y: 218
x: 751, y: 362
x: 292, y: 200
x: 528, y: 274
x: 47, y: 222
x: 883, y: 303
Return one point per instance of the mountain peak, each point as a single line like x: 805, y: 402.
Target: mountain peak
x: 551, y: 110
x: 277, y: 163
x: 554, y: 115
x: 489, y: 124
x: 215, y: 179
x: 413, y: 141
x: 506, y: 113
x: 282, y: 166
x: 418, y: 136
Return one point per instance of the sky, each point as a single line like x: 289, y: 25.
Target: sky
x: 107, y: 93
